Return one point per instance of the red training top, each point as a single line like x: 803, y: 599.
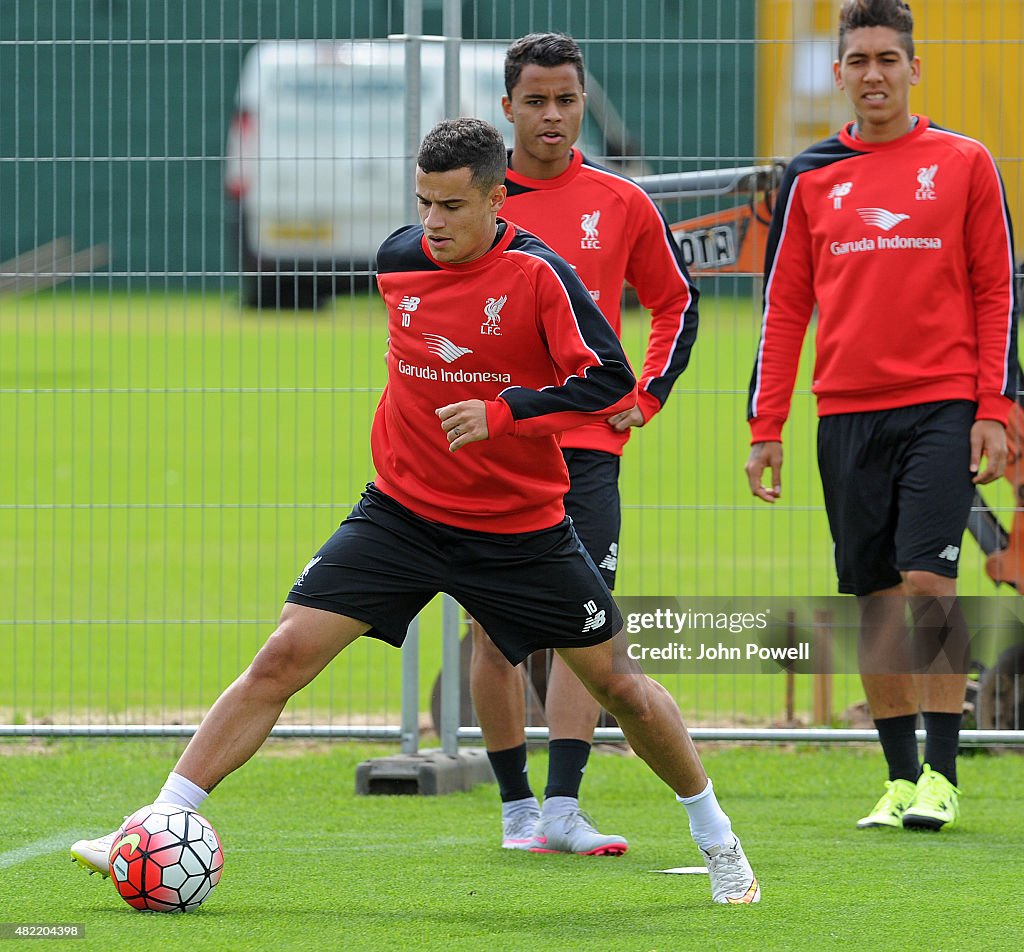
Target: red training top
x: 610, y: 231
x: 514, y: 328
x: 907, y: 249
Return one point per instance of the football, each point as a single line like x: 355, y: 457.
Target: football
x: 165, y: 858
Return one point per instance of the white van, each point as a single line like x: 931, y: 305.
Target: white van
x: 317, y: 166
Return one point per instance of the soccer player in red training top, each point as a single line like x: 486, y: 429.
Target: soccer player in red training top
x: 468, y: 493
x: 608, y: 228
x: 898, y: 230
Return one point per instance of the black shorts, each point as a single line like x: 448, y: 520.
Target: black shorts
x: 593, y: 504
x: 898, y: 491
x: 530, y: 590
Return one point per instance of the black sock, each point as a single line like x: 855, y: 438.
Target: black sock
x: 567, y: 759
x: 899, y: 744
x: 942, y: 738
x: 509, y: 768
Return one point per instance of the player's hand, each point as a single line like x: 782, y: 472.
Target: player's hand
x: 988, y: 440
x: 626, y: 419
x: 766, y: 455
x: 464, y: 422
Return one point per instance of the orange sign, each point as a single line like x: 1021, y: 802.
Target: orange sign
x: 732, y: 240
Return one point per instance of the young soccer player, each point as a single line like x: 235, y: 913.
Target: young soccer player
x: 610, y: 231
x: 897, y: 229
x: 467, y: 497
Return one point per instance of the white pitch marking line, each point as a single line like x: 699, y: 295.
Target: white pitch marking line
x: 39, y: 848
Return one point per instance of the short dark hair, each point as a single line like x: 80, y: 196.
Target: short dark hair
x: 465, y: 144
x: 895, y: 14
x: 541, y: 49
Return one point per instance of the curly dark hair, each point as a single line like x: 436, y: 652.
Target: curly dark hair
x: 895, y: 14
x: 465, y: 144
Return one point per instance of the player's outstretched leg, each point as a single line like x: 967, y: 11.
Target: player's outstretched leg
x: 305, y: 640
x: 651, y: 721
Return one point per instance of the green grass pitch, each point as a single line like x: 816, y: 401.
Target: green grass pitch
x: 309, y: 864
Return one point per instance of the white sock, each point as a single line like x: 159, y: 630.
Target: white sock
x: 516, y: 806
x: 560, y: 806
x: 181, y: 792
x: 709, y: 826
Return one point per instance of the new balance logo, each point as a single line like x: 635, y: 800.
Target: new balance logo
x: 611, y: 560
x: 444, y: 348
x: 838, y: 192
x: 407, y: 305
x: 595, y: 618
x: 305, y: 571
x: 950, y: 553
x: 881, y: 218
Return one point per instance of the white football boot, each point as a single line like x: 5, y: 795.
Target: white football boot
x: 732, y: 879
x: 94, y: 855
x: 574, y: 833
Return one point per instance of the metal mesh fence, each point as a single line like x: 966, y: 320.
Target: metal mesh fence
x: 183, y: 424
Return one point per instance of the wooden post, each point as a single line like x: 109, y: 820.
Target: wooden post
x: 822, y: 676
x: 790, y: 676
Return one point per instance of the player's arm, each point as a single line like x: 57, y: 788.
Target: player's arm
x: 990, y: 255
x: 988, y: 244
x: 788, y: 301
x: 657, y: 271
x: 596, y: 381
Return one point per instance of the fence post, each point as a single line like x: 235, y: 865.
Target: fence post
x: 429, y: 771
x: 452, y: 29
x: 411, y: 689
x: 412, y: 24
x: 451, y: 674
x: 823, y: 676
